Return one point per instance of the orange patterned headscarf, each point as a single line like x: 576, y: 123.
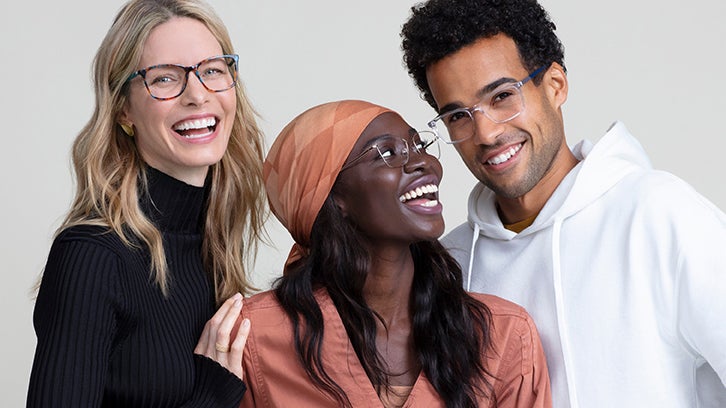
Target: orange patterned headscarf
x: 305, y: 160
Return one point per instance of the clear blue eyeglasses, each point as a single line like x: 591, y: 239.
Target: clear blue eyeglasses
x: 503, y: 104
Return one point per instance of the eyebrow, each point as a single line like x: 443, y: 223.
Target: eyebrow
x: 375, y: 140
x: 479, y: 94
x: 411, y: 132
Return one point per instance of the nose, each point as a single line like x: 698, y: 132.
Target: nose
x: 195, y: 92
x: 486, y: 131
x: 416, y: 160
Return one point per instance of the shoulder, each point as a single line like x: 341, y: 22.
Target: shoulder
x: 270, y: 322
x: 88, y: 255
x: 461, y: 233
x: 666, y: 203
x: 85, y: 246
x: 503, y: 310
x: 262, y: 302
x: 265, y: 308
x: 511, y: 323
x: 662, y: 188
x: 266, y: 314
x: 91, y: 235
x: 514, y: 336
x: 82, y: 273
x: 270, y: 341
x: 458, y: 242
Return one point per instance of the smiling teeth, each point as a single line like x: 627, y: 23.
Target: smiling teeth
x: 505, y: 156
x: 418, y: 192
x: 196, y: 124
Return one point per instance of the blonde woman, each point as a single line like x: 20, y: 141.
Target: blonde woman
x: 169, y: 206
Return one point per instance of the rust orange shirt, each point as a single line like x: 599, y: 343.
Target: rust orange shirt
x: 275, y: 378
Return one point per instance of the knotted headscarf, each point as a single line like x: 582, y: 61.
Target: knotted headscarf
x: 305, y: 160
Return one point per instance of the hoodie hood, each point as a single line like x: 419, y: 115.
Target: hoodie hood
x: 601, y: 166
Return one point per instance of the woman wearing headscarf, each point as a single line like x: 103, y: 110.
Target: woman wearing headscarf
x: 370, y: 310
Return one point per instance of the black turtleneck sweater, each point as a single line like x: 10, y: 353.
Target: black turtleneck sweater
x: 108, y: 337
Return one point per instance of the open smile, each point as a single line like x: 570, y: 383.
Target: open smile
x: 196, y: 128
x: 505, y: 156
x: 424, y: 196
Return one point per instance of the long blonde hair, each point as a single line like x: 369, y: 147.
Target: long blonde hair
x: 110, y: 172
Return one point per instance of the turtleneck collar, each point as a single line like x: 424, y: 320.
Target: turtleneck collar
x: 173, y: 205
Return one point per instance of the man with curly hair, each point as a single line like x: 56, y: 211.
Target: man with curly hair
x: 622, y: 266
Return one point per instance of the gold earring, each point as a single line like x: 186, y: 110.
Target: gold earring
x: 128, y: 129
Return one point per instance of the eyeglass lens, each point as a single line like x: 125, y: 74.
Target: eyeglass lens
x: 501, y: 105
x: 425, y: 141
x: 168, y: 81
x: 395, y: 151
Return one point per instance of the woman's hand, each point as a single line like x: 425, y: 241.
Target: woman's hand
x: 217, y: 335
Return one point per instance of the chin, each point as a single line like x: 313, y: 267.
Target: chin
x: 432, y: 235
x: 206, y: 158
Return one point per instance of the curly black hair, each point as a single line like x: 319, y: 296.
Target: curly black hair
x: 438, y: 28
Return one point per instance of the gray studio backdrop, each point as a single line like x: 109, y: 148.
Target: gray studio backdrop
x: 658, y: 65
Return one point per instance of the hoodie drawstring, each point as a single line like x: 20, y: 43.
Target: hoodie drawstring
x: 560, y: 307
x: 474, y: 238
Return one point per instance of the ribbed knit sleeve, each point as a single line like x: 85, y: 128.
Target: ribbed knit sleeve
x: 75, y: 321
x: 215, y: 386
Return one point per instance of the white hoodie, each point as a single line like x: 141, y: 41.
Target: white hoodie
x: 624, y: 273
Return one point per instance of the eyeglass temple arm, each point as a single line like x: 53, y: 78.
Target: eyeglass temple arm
x: 536, y: 72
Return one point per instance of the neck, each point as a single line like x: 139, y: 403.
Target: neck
x: 388, y: 287
x: 388, y: 292
x: 513, y: 210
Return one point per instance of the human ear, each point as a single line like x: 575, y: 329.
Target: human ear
x: 556, y: 83
x: 339, y: 203
x: 123, y: 118
x: 125, y: 123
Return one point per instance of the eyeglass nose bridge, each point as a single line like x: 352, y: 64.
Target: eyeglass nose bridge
x: 187, y: 70
x: 194, y: 68
x: 407, y: 153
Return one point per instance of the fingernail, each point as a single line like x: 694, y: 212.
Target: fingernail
x: 246, y: 323
x: 238, y: 303
x: 237, y: 295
